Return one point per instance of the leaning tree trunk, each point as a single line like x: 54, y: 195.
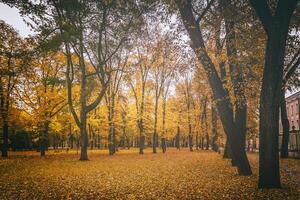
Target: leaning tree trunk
x: 285, y: 127
x: 219, y: 92
x: 227, y: 151
x: 236, y: 72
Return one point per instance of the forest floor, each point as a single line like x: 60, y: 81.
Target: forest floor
x: 127, y: 175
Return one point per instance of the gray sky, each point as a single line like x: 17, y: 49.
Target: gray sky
x: 12, y: 17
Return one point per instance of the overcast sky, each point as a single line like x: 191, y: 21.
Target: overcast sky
x: 12, y: 17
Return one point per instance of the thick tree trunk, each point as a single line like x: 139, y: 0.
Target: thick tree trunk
x: 83, y: 138
x: 227, y: 151
x: 44, y: 139
x: 269, y: 175
x: 236, y: 73
x: 115, y: 145
x: 111, y: 130
x: 276, y: 26
x: 110, y: 143
x: 163, y: 145
x: 141, y: 144
x: 207, y: 141
x: 219, y: 92
x: 285, y: 127
x: 5, y: 139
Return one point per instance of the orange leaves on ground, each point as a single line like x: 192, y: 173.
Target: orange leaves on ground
x: 127, y: 175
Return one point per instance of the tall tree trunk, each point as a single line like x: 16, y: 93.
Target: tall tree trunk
x: 285, y: 127
x: 276, y: 26
x: 5, y: 138
x: 111, y: 130
x: 141, y: 120
x: 83, y: 102
x: 154, y: 144
x: 236, y: 72
x: 177, y: 140
x: 197, y: 140
x: 220, y: 93
x: 227, y: 151
x: 269, y: 175
x: 83, y: 138
x: 214, y: 118
x: 205, y: 122
x: 163, y: 136
x: 190, y: 137
x: 44, y: 138
x: 202, y: 140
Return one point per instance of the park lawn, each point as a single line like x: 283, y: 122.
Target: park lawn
x: 127, y: 175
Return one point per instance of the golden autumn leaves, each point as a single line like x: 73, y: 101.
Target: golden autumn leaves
x: 175, y: 175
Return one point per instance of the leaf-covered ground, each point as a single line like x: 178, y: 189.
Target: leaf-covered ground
x: 127, y: 175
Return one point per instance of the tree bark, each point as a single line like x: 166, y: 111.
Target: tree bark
x: 5, y: 139
x: 219, y: 92
x: 154, y: 145
x: 276, y: 26
x: 177, y: 140
x: 163, y: 145
x: 44, y: 138
x: 83, y: 139
x: 236, y: 72
x: 227, y: 151
x: 285, y: 127
x: 214, y: 118
x: 197, y: 140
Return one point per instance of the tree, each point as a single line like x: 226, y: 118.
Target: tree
x: 215, y: 134
x: 10, y: 67
x: 235, y: 69
x: 110, y: 98
x: 220, y: 93
x: 289, y: 79
x: 165, y: 91
x: 162, y: 71
x: 143, y: 63
x: 41, y: 89
x: 204, y: 125
x: 276, y: 27
x: 188, y: 100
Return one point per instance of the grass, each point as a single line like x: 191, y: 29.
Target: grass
x: 127, y: 175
